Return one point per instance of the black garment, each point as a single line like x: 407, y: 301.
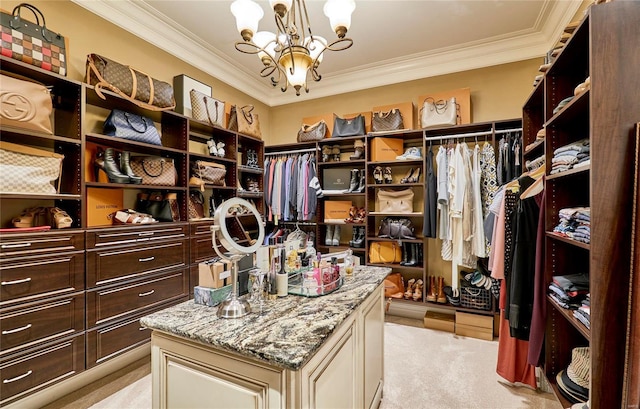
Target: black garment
x: 430, y: 203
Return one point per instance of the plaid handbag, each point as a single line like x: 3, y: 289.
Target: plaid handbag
x: 246, y: 123
x: 155, y: 170
x: 209, y: 172
x: 24, y: 169
x: 387, y: 121
x: 133, y: 127
x: 312, y: 133
x: 206, y: 108
x: 32, y: 43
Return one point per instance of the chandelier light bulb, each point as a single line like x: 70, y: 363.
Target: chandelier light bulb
x: 296, y: 62
x: 281, y: 7
x: 248, y: 15
x: 316, y: 48
x: 267, y: 41
x: 339, y: 13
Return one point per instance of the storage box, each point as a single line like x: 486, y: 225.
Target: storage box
x: 182, y: 86
x: 463, y: 99
x: 474, y: 325
x: 101, y: 204
x: 336, y: 210
x: 336, y: 179
x: 439, y: 321
x: 406, y: 109
x: 210, y: 296
x: 213, y: 275
x: 384, y: 149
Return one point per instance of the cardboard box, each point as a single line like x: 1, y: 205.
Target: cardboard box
x: 406, y: 109
x: 213, y: 275
x: 101, y: 204
x: 182, y: 86
x: 463, y: 99
x: 337, y: 210
x: 474, y: 325
x: 386, y: 149
x: 336, y: 179
x: 439, y: 321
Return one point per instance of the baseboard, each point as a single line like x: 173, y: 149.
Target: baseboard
x: 59, y: 390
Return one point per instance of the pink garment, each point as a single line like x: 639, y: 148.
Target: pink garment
x: 497, y: 266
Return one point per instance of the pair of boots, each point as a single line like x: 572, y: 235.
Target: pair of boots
x: 358, y: 181
x: 252, y: 158
x: 411, y: 254
x: 117, y: 169
x: 333, y: 236
x: 436, y: 290
x: 331, y: 153
x: 357, y: 241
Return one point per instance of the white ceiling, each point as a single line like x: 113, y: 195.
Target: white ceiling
x: 394, y: 40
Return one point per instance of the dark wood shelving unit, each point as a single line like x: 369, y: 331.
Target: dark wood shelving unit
x: 568, y: 240
x: 568, y: 315
x: 569, y: 172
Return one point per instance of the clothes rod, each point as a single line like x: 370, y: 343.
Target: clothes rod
x: 292, y: 151
x: 471, y: 134
x: 501, y: 131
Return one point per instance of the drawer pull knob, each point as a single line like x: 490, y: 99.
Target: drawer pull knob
x: 147, y: 293
x: 15, y: 246
x: 24, y: 280
x: 142, y: 329
x: 17, y: 378
x: 13, y: 331
x: 142, y: 260
x: 146, y: 234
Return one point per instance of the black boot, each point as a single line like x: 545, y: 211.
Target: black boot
x: 353, y: 183
x: 405, y: 254
x: 125, y: 167
x: 359, y: 241
x: 106, y: 161
x: 363, y: 181
x: 419, y: 258
x: 412, y: 258
x: 354, y: 236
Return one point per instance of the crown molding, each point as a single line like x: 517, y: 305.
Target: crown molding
x: 145, y: 22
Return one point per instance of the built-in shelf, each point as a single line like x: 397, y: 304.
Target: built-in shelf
x: 132, y: 186
x: 249, y: 169
x: 122, y: 143
x: 412, y: 214
x: 201, y: 156
x: 398, y: 266
x: 568, y: 240
x: 343, y: 194
x: 568, y: 315
x: 383, y: 185
x: 376, y: 238
x: 448, y: 306
x: 397, y: 162
x: 350, y: 163
x: 34, y: 196
x: 570, y: 172
x: 534, y: 147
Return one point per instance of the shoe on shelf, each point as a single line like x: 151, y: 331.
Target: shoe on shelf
x: 31, y: 217
x: 354, y: 235
x: 354, y: 183
x: 328, y: 238
x: 441, y: 298
x: 106, y: 161
x: 415, y: 178
x: 60, y: 218
x: 363, y: 181
x: 408, y: 294
x: 388, y: 179
x: 326, y: 152
x: 125, y: 167
x: 335, y: 241
x: 359, y: 241
x: 353, y: 213
x: 411, y: 153
x: 358, y: 146
x: 417, y: 293
x: 220, y: 147
x: 377, y: 175
x: 213, y: 150
x: 432, y: 294
x: 335, y: 153
x: 408, y: 177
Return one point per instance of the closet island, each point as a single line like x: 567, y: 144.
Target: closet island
x: 294, y: 352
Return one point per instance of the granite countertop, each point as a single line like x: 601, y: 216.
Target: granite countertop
x: 286, y: 333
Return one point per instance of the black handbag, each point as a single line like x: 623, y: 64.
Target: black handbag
x: 348, y: 127
x: 133, y: 127
x: 163, y: 208
x: 396, y: 228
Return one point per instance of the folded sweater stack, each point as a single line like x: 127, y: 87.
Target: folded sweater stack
x: 575, y: 223
x: 574, y: 155
x: 568, y: 291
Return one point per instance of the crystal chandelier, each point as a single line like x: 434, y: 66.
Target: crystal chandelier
x: 293, y: 52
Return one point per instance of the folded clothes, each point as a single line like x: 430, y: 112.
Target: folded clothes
x: 572, y: 282
x: 577, y: 146
x: 582, y: 319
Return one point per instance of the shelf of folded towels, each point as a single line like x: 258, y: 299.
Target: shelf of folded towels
x: 574, y: 225
x: 575, y: 156
x: 570, y: 295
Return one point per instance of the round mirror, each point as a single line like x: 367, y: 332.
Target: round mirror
x: 238, y: 227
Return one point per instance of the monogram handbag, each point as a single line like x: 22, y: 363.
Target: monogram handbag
x: 387, y: 121
x: 348, y: 127
x: 384, y: 252
x: 24, y: 169
x: 394, y: 286
x: 133, y: 127
x: 207, y: 109
x: 131, y: 84
x: 312, y: 133
x: 395, y: 201
x: 25, y: 104
x: 396, y: 228
x: 209, y: 172
x: 245, y: 123
x: 439, y: 113
x: 163, y: 208
x: 32, y: 43
x: 155, y: 170
x: 195, y: 206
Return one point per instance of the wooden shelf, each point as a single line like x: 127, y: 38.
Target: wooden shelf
x: 249, y: 169
x: 563, y: 401
x: 383, y: 185
x: 569, y: 172
x: 448, y: 306
x: 419, y: 240
x: 343, y: 194
x: 340, y: 248
x: 34, y: 196
x: 341, y: 224
x: 397, y: 162
x: 413, y: 214
x: 568, y: 315
x: 576, y: 110
x: 125, y: 144
x: 534, y: 147
x: 210, y: 186
x: 247, y: 194
x: 132, y: 186
x: 210, y: 158
x: 398, y: 266
x: 34, y: 138
x: 568, y: 240
x: 350, y: 163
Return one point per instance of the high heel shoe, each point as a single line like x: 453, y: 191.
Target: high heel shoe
x: 417, y: 293
x: 353, y: 213
x: 377, y: 175
x: 105, y: 161
x: 28, y: 218
x: 363, y: 181
x: 388, y: 179
x: 125, y: 167
x: 326, y: 152
x: 408, y: 294
x: 335, y: 153
x: 415, y: 177
x: 328, y: 238
x: 408, y: 177
x: 60, y: 218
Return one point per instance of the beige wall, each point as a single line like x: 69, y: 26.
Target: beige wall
x: 496, y: 93
x: 89, y: 33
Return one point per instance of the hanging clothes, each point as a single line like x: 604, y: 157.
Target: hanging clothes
x: 489, y: 187
x: 478, y: 243
x: 539, y: 315
x: 430, y: 203
x: 461, y: 205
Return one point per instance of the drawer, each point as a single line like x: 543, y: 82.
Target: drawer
x: 117, y: 302
x: 202, y: 249
x: 107, y: 266
x: 475, y: 320
x: 29, y: 277
x: 41, y: 368
x: 40, y: 321
x: 113, y: 340
x: 203, y: 227
x: 35, y: 243
x: 113, y: 236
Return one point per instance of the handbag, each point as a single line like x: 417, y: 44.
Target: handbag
x: 195, y: 205
x: 209, y: 172
x: 387, y: 121
x: 159, y: 206
x: 25, y: 104
x: 248, y: 123
x: 395, y: 201
x: 155, y: 170
x: 207, y: 109
x: 384, y: 252
x: 396, y: 228
x: 24, y: 169
x: 133, y: 127
x: 312, y: 133
x: 439, y: 113
x: 32, y: 43
x: 348, y: 127
x: 131, y: 84
x: 394, y: 286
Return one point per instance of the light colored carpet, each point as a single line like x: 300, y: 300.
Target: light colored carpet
x: 423, y: 369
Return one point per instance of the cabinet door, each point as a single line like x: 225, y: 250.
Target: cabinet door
x: 373, y: 334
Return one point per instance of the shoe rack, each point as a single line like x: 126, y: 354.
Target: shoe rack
x: 606, y: 114
x: 71, y: 298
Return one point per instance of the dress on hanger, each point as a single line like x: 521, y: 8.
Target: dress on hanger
x: 430, y: 203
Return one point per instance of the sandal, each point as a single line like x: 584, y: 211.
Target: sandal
x: 129, y: 216
x: 26, y: 218
x: 377, y: 175
x: 361, y: 215
x: 61, y: 219
x: 388, y: 179
x: 326, y: 151
x: 352, y: 215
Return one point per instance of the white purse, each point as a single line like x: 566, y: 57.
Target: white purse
x: 206, y: 108
x: 438, y: 113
